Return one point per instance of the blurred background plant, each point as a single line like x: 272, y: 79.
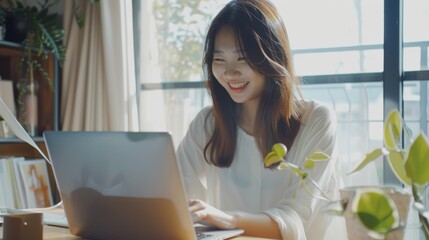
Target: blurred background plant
x: 40, y: 34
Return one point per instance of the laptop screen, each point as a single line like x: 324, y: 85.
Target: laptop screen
x: 124, y: 185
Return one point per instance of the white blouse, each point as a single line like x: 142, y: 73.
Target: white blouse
x: 248, y: 186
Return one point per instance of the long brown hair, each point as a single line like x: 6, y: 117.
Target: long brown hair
x: 263, y: 38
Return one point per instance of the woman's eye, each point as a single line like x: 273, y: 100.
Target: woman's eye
x: 218, y: 60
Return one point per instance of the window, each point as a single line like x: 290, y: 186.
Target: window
x: 338, y: 51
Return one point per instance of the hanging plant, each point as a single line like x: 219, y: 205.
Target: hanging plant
x: 43, y: 37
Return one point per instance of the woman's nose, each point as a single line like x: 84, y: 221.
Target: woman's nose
x: 231, y: 72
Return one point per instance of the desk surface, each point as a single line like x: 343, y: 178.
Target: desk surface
x: 61, y: 233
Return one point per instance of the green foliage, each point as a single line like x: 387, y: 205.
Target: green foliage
x: 181, y: 28
x: 275, y: 160
x: 376, y: 153
x: 275, y: 157
x: 44, y: 37
x: 417, y: 164
x: 410, y: 165
x: 376, y: 211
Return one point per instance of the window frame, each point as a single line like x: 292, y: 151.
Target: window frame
x: 393, y: 75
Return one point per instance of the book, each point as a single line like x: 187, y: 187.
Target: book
x: 37, y: 187
x: 18, y: 183
x: 6, y: 94
x: 2, y: 197
x: 6, y: 177
x: 30, y: 195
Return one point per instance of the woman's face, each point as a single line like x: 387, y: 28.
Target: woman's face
x: 232, y: 71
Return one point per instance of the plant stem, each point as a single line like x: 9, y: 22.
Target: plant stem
x: 423, y: 220
x: 325, y: 197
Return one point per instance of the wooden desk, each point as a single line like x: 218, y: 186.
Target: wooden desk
x: 59, y: 233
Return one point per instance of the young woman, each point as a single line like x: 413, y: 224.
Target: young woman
x: 256, y: 103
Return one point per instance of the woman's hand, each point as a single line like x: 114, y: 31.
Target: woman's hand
x: 202, y: 211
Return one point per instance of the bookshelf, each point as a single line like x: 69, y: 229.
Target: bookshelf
x: 47, y: 104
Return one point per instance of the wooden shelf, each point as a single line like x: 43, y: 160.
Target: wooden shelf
x: 47, y: 103
x: 10, y: 64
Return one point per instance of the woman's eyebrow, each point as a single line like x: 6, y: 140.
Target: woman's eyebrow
x: 236, y: 51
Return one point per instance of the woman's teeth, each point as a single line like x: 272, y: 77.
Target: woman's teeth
x: 238, y: 85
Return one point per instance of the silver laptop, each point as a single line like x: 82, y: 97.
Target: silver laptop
x: 123, y: 185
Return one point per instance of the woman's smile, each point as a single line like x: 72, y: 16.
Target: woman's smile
x: 237, y: 86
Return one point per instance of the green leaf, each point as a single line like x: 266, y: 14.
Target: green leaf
x: 396, y: 162
x: 297, y: 170
x: 314, y: 157
x: 318, y: 156
x: 271, y: 159
x: 376, y: 153
x: 275, y: 157
x: 309, y: 164
x: 280, y: 149
x: 417, y: 164
x: 392, y: 130
x: 376, y: 211
x: 282, y: 166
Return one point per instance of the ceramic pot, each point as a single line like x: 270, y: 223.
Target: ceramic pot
x: 356, y: 230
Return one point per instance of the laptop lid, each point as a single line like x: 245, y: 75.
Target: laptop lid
x: 120, y: 185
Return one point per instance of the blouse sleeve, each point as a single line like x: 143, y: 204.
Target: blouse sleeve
x: 191, y: 157
x: 298, y: 213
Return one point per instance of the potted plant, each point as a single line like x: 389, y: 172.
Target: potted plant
x: 43, y: 37
x: 410, y: 165
x: 377, y: 211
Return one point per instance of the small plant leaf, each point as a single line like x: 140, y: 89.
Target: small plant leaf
x: 280, y: 149
x: 417, y: 164
x: 314, y: 157
x: 318, y: 156
x: 376, y: 153
x: 309, y: 164
x: 396, y: 162
x: 297, y: 170
x: 376, y: 211
x: 271, y: 159
x: 282, y: 166
x: 392, y: 130
x: 275, y: 157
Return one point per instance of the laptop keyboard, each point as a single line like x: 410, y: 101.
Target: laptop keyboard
x: 201, y: 235
x: 55, y: 219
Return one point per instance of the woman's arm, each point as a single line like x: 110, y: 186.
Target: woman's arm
x: 253, y: 224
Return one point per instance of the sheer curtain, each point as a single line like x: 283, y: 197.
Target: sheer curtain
x: 151, y: 102
x: 98, y: 86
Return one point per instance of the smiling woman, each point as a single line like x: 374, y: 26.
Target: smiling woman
x: 256, y: 103
x: 232, y: 70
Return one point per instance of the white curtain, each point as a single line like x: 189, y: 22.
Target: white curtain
x: 98, y: 85
x: 152, y: 110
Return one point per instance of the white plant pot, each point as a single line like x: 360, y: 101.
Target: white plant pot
x: 356, y: 230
